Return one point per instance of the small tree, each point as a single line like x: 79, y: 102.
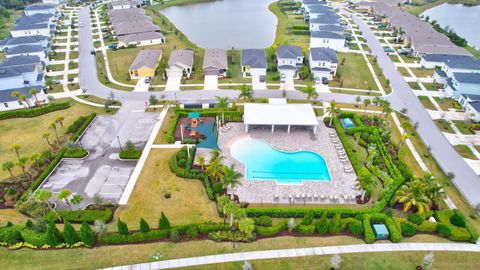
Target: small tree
x: 336, y: 262
x: 99, y: 227
x: 144, y: 227
x: 174, y: 236
x: 76, y: 199
x: 153, y: 101
x: 86, y: 235
x: 8, y: 166
x: 247, y: 226
x: 163, y: 223
x: 247, y: 266
x: 63, y: 196
x: 53, y: 236
x: 122, y: 227
x: 291, y: 224
x: 428, y: 260
x: 69, y: 233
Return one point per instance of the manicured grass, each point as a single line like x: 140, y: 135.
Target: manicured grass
x: 394, y: 58
x: 423, y: 72
x: 58, y: 56
x: 354, y: 72
x: 27, y: 132
x: 446, y: 103
x: 11, y: 215
x: 463, y: 126
x: 188, y: 203
x: 5, y: 30
x: 56, y: 88
x: 403, y: 71
x: 102, y: 74
x: 383, y: 81
x: 409, y: 59
x: 414, y: 85
x: 98, y: 100
x: 162, y: 136
x: 427, y: 103
x: 433, y: 86
x: 353, y: 46
x: 444, y: 125
x: 465, y: 152
x: 60, y: 67
x: 285, y: 20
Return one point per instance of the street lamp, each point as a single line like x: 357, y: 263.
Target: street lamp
x: 119, y: 144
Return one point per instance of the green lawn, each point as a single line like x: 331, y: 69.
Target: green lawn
x: 427, y: 103
x: 423, y: 72
x: 465, y: 152
x: 446, y: 103
x: 433, y: 86
x: 409, y: 59
x: 383, y: 81
x: 27, y: 132
x: 282, y: 36
x: 5, y: 29
x: 59, y: 67
x: 463, y: 126
x: 403, y: 71
x: 354, y: 72
x: 58, y: 56
x: 188, y: 203
x: 444, y: 125
x: 353, y: 46
x: 414, y: 85
x: 394, y: 58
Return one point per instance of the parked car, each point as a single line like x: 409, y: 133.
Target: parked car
x: 324, y: 80
x: 404, y: 51
x: 283, y: 78
x: 92, y: 52
x: 104, y: 30
x: 262, y: 78
x: 112, y: 46
x: 148, y: 79
x: 318, y: 80
x: 389, y: 50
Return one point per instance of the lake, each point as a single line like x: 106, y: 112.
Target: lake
x: 225, y: 24
x: 462, y: 19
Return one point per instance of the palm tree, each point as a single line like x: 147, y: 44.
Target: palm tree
x: 43, y: 196
x: 22, y: 163
x: 222, y: 104
x: 8, y: 166
x: 49, y: 83
x: 76, y: 199
x: 332, y: 110
x: 366, y: 103
x: 403, y: 139
x: 34, y: 92
x: 386, y: 107
x: 46, y: 136
x: 34, y: 157
x: 201, y: 161
x: 16, y: 148
x: 230, y: 178
x: 59, y: 121
x: 435, y: 191
x: 310, y: 91
x: 63, y: 196
x: 411, y: 194
x: 245, y: 92
x: 214, y: 169
x: 53, y: 127
x: 17, y: 95
x: 23, y: 99
x: 377, y: 101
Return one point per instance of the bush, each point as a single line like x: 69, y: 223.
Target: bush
x: 356, y: 227
x: 53, y: 236
x: 192, y: 231
x: 80, y: 216
x: 86, y: 235
x: 264, y: 221
x: 305, y: 229
x: 75, y: 153
x: 174, y: 236
x: 322, y: 225
x: 130, y: 154
x: 222, y: 236
x: 427, y: 226
x: 457, y: 219
x: 415, y: 219
x: 122, y: 227
x: 217, y: 187
x: 69, y: 234
x: 10, y: 235
x: 444, y: 230
x: 335, y: 225
x: 34, y: 112
x: 79, y: 126
x: 33, y: 237
x: 163, y: 223
x: 408, y: 229
x: 144, y: 227
x: 273, y: 230
x: 367, y: 228
x: 308, y: 218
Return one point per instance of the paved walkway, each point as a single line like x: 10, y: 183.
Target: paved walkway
x: 299, y: 252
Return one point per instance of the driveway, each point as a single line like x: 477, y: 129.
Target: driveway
x: 257, y: 84
x: 102, y: 172
x: 173, y: 81
x: 141, y: 86
x: 210, y: 82
x: 288, y: 85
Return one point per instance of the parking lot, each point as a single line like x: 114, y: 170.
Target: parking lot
x: 102, y: 172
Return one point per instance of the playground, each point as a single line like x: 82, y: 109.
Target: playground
x: 195, y: 127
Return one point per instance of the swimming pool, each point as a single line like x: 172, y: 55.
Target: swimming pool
x: 263, y: 162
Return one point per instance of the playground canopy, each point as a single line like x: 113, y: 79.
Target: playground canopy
x: 193, y: 115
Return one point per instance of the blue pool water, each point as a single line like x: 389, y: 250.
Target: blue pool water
x: 348, y: 123
x: 263, y: 162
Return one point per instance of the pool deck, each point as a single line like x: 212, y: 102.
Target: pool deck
x: 339, y: 190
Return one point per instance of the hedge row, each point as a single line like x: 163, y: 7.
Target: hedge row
x: 130, y: 154
x: 80, y: 216
x: 34, y: 112
x: 75, y: 153
x: 77, y: 129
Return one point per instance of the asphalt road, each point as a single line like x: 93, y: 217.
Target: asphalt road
x: 402, y: 97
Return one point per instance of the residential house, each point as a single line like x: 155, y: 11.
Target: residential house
x: 33, y: 25
x: 332, y: 28
x: 254, y: 62
x: 316, y: 11
x: 40, y: 8
x: 8, y: 102
x: 289, y: 58
x: 324, y: 20
x: 145, y: 64
x: 463, y: 83
x: 215, y: 62
x: 116, y: 5
x: 11, y: 42
x: 449, y: 64
x: 180, y: 63
x: 25, y: 50
x: 323, y: 63
x: 327, y: 39
x: 471, y: 105
x: 55, y: 2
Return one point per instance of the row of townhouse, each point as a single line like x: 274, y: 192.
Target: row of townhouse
x: 26, y: 57
x: 132, y: 26
x: 460, y: 75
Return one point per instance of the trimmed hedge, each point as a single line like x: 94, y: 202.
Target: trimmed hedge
x: 263, y: 221
x: 130, y: 154
x: 408, y: 229
x: 79, y: 126
x: 34, y: 112
x: 305, y: 229
x: 80, y: 216
x: 273, y: 230
x: 75, y: 153
x: 368, y: 230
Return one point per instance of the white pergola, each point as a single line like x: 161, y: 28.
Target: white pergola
x: 278, y: 113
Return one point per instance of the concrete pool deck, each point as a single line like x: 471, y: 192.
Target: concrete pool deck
x: 268, y: 191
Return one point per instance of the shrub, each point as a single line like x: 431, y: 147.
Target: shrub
x: 408, y: 229
x: 222, y: 236
x: 163, y: 223
x: 273, y: 230
x: 356, y: 227
x: 457, y: 219
x: 415, y: 219
x: 335, y: 225
x: 122, y: 227
x: 192, y: 231
x: 144, y: 227
x: 130, y: 154
x: 174, y: 236
x: 10, y: 235
x: 305, y: 229
x: 80, y: 216
x: 322, y: 225
x: 78, y: 130
x: 444, y: 230
x: 427, y: 226
x: 264, y: 221
x: 217, y: 187
x: 69, y: 234
x: 367, y: 228
x: 34, y: 112
x: 308, y: 218
x: 33, y: 237
x: 75, y: 153
x: 53, y: 236
x: 86, y: 235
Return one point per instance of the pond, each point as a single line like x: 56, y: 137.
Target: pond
x: 225, y: 24
x: 464, y: 20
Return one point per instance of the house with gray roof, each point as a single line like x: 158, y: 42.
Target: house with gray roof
x: 215, y: 62
x: 254, y: 62
x: 326, y: 39
x: 37, y: 24
x: 449, y: 64
x: 471, y: 105
x: 463, y: 83
x: 25, y: 50
x: 145, y: 64
x: 289, y: 59
x: 11, y: 42
x: 8, y: 102
x: 323, y: 63
x: 332, y: 28
x: 40, y: 8
x: 323, y: 20
x: 180, y: 63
